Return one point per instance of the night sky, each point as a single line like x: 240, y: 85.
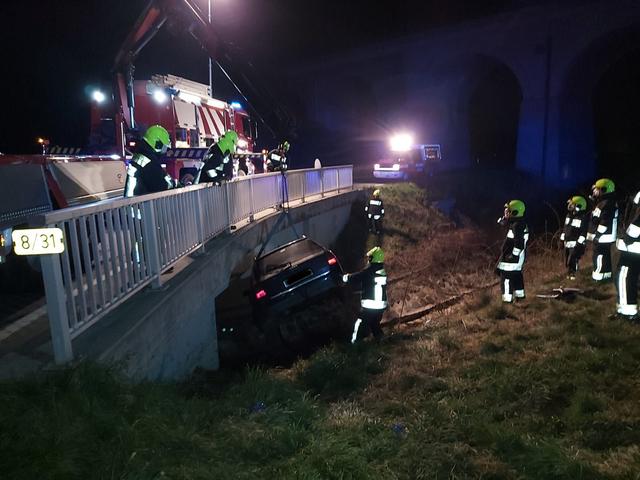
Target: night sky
x: 56, y: 51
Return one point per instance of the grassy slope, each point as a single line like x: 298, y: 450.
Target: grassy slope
x: 545, y: 390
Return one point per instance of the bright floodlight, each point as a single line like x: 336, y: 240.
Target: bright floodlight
x: 401, y: 142
x: 98, y: 96
x: 160, y: 96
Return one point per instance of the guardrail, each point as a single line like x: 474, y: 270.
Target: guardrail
x: 115, y: 248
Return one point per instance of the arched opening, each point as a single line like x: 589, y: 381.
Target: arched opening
x: 598, y: 105
x: 493, y: 116
x: 616, y: 103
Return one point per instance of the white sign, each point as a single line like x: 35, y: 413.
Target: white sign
x: 38, y: 241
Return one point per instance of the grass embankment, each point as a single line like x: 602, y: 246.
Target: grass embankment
x: 547, y: 389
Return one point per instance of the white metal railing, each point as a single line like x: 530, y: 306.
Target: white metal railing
x: 114, y: 248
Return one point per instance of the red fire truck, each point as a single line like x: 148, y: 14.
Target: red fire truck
x: 185, y: 108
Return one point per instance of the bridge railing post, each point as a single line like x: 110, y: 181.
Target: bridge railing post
x: 150, y: 243
x: 338, y: 179
x: 57, y: 308
x: 253, y: 207
x: 227, y: 196
x: 322, y: 183
x: 199, y: 219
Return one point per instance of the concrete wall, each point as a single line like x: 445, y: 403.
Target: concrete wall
x: 164, y: 334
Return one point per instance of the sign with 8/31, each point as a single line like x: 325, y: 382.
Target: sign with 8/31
x: 38, y: 241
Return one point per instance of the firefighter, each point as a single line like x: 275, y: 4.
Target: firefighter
x: 218, y: 166
x: 629, y: 267
x: 514, y: 248
x: 603, y: 227
x: 373, y: 299
x: 144, y: 172
x: 375, y: 212
x: 574, y: 234
x: 277, y: 158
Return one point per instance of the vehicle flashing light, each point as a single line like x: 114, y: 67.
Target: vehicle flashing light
x: 260, y: 294
x: 98, y: 96
x: 236, y: 105
x: 401, y: 142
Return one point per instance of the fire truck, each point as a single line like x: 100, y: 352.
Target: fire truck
x: 185, y: 108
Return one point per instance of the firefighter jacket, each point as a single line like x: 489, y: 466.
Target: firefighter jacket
x: 375, y: 209
x: 575, y: 229
x: 374, y: 286
x: 604, y: 220
x: 630, y: 241
x: 276, y: 161
x: 514, y: 246
x: 145, y: 173
x: 217, y: 166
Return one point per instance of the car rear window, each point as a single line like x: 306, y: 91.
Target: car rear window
x: 281, y: 258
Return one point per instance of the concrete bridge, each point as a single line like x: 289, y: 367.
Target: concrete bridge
x: 138, y: 280
x: 527, y: 88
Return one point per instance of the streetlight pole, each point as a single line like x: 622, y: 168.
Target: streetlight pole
x: 210, y: 62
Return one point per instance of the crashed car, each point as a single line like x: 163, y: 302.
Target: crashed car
x: 296, y: 290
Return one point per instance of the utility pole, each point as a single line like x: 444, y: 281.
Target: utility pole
x: 210, y: 62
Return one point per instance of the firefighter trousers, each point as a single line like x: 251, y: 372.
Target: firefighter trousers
x: 601, y: 261
x: 627, y: 283
x: 572, y: 257
x: 512, y: 285
x: 369, y: 320
x: 375, y: 225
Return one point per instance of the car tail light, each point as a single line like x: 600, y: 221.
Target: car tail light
x: 260, y: 294
x: 332, y: 260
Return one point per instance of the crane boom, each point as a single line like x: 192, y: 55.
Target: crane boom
x: 188, y: 16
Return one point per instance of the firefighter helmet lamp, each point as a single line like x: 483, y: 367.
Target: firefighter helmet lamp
x: 98, y: 96
x: 401, y: 142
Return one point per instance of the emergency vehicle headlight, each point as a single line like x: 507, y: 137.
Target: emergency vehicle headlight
x: 376, y: 166
x: 160, y: 96
x: 401, y: 142
x: 396, y: 166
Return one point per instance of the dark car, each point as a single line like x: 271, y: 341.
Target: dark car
x: 296, y: 288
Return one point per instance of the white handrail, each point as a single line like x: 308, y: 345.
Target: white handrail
x: 116, y: 247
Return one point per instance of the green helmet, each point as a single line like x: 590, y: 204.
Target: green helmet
x: 284, y: 146
x: 577, y: 203
x: 376, y: 193
x: 158, y: 138
x: 515, y: 207
x: 228, y: 142
x: 605, y: 185
x: 376, y: 255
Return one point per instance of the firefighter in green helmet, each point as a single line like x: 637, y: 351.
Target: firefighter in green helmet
x: 375, y: 212
x: 512, y: 258
x: 218, y: 166
x: 574, y: 234
x: 144, y: 172
x: 629, y: 266
x: 373, y: 299
x: 603, y: 227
